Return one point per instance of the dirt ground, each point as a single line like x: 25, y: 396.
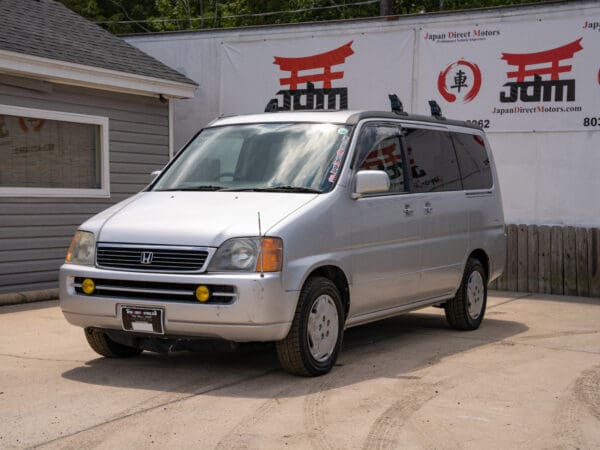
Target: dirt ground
x: 528, y: 378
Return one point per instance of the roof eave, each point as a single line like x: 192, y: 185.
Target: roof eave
x: 92, y: 77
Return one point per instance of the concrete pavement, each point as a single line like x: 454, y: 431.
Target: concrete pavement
x: 528, y: 378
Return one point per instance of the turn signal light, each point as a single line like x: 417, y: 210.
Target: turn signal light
x: 71, y: 248
x: 270, y: 258
x: 88, y: 286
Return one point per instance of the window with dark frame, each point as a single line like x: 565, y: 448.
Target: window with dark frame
x: 473, y: 161
x: 432, y: 162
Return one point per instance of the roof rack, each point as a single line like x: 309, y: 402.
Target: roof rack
x: 396, y: 105
x: 436, y: 111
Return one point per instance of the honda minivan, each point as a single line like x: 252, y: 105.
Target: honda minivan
x: 291, y: 227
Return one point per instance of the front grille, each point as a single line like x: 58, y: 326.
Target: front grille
x: 152, y: 258
x: 152, y: 290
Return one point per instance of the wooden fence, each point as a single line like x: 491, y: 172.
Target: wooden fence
x: 551, y: 260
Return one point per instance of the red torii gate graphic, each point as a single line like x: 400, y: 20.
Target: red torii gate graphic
x: 553, y: 57
x: 322, y: 60
x: 386, y: 157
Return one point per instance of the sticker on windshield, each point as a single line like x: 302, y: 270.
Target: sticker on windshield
x: 343, y: 131
x: 339, y: 156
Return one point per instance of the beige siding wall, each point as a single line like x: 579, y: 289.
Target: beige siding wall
x: 35, y: 232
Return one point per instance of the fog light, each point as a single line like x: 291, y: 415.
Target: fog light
x: 88, y: 286
x: 202, y: 294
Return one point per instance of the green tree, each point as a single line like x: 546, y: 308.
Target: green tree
x: 112, y: 13
x: 135, y: 16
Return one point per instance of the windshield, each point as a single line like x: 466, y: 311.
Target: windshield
x: 292, y: 157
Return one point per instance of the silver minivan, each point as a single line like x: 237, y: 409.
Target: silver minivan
x: 291, y: 227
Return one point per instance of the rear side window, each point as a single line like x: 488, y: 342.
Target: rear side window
x: 432, y: 161
x: 473, y: 161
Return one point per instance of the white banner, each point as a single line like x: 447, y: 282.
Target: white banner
x: 514, y: 76
x: 353, y: 71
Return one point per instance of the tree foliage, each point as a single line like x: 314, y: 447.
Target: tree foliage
x: 138, y: 16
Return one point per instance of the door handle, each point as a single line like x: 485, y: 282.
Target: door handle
x: 428, y: 208
x: 408, y: 210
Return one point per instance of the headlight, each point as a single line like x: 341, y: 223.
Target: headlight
x: 248, y: 255
x: 82, y: 249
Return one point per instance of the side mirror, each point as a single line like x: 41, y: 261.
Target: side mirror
x: 371, y: 182
x: 155, y: 174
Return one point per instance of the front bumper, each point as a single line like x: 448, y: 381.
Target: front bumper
x: 261, y: 310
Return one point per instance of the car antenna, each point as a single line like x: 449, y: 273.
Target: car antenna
x: 436, y: 111
x: 396, y: 105
x: 262, y: 274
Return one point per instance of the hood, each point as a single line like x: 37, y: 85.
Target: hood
x: 197, y: 218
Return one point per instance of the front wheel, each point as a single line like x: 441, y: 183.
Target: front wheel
x: 466, y: 310
x: 102, y: 344
x: 314, y: 341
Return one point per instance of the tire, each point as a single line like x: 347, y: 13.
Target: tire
x: 105, y: 346
x: 466, y: 310
x: 315, y: 338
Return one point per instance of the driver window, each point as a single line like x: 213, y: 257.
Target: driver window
x: 229, y: 157
x: 379, y: 148
x: 209, y: 168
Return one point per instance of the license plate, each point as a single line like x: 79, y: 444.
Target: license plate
x: 146, y: 320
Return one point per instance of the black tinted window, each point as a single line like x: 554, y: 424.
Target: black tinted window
x: 379, y: 148
x: 432, y: 161
x: 473, y: 161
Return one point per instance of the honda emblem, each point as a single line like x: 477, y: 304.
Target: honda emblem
x: 147, y: 257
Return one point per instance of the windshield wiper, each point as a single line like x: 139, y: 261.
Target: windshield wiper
x: 279, y: 189
x: 206, y: 187
x: 294, y: 189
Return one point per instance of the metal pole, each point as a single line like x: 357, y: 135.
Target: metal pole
x: 386, y: 7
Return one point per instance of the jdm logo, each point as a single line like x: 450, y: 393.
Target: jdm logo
x: 463, y: 78
x: 307, y: 71
x: 529, y: 86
